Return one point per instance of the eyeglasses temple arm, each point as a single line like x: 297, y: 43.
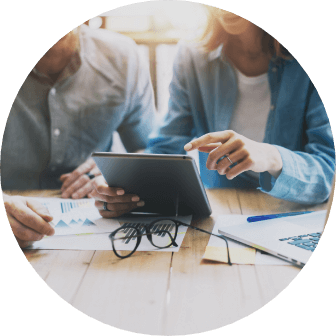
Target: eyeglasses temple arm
x: 213, y: 234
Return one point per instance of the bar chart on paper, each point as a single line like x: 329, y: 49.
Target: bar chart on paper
x: 70, y: 205
x: 76, y: 216
x: 79, y: 226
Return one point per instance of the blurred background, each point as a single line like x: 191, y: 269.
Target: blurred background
x: 156, y: 27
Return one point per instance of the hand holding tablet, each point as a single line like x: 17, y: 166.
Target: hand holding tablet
x: 164, y: 184
x: 113, y: 202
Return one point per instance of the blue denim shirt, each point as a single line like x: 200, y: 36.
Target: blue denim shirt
x: 53, y: 127
x: 203, y: 93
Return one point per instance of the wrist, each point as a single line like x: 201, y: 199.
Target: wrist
x: 275, y: 161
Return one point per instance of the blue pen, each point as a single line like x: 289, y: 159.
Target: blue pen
x: 272, y: 216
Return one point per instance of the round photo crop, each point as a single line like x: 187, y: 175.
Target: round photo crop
x: 168, y: 168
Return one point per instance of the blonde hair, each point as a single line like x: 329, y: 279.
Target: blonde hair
x: 214, y: 35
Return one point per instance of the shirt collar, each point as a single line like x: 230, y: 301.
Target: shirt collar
x: 96, y: 53
x: 71, y: 68
x: 217, y: 53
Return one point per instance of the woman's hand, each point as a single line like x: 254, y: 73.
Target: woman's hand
x: 245, y: 153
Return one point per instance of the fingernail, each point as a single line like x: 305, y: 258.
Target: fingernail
x: 75, y: 195
x: 188, y: 146
x: 48, y: 218
x: 140, y: 204
x: 135, y: 199
x: 120, y: 192
x: 51, y: 232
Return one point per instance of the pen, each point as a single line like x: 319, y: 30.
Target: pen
x: 272, y: 216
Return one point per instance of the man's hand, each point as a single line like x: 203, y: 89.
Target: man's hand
x: 77, y: 184
x: 246, y: 154
x: 28, y: 219
x: 117, y: 202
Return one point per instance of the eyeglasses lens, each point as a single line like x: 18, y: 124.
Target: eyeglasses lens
x: 124, y: 241
x: 163, y: 232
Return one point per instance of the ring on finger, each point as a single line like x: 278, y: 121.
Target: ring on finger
x: 227, y: 156
x: 105, y: 206
x: 90, y: 176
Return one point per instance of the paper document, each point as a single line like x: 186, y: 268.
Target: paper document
x: 79, y: 226
x: 76, y: 216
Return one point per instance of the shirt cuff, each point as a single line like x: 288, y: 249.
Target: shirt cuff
x: 279, y: 187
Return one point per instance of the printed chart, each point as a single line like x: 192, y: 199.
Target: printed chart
x: 79, y: 226
x: 76, y: 216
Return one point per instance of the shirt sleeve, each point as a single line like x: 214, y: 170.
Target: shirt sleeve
x: 177, y: 127
x: 306, y: 176
x: 138, y: 122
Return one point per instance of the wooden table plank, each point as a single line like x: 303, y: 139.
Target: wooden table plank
x: 35, y: 193
x: 255, y: 202
x: 129, y: 294
x: 223, y: 202
x: 199, y: 290
x: 274, y: 279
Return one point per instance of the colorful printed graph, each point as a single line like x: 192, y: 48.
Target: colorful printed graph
x: 78, y: 223
x: 70, y: 205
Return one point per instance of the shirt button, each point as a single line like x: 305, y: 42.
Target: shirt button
x: 272, y: 107
x: 53, y: 168
x: 57, y: 132
x: 274, y: 69
x: 53, y: 91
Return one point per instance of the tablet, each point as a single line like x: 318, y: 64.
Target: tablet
x: 168, y: 184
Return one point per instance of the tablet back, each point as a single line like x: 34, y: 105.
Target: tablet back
x: 168, y: 184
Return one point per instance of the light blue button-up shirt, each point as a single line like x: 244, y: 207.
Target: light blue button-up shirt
x: 203, y: 94
x: 53, y: 127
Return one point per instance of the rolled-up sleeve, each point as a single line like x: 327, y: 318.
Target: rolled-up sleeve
x: 306, y: 176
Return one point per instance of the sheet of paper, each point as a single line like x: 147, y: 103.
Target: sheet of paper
x: 239, y: 253
x: 102, y: 242
x: 76, y: 216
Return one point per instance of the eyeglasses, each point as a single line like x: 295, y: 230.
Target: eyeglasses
x: 161, y: 233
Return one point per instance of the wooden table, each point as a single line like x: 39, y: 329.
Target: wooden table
x: 164, y: 292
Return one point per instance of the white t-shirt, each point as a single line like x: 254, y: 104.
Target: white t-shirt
x: 252, y: 107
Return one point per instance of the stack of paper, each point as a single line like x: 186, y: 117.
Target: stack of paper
x: 79, y: 226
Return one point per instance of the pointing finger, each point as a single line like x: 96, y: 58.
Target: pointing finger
x: 207, y: 139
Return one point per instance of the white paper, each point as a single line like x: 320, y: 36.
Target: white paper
x: 76, y: 216
x: 89, y: 238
